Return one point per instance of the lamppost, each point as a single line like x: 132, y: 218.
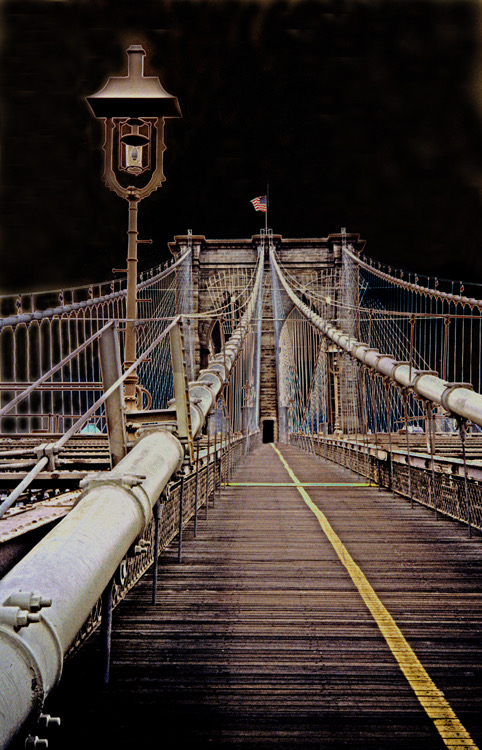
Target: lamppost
x: 133, y: 108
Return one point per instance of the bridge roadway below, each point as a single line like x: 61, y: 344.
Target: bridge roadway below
x: 263, y: 637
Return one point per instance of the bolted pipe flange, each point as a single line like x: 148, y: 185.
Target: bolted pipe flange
x: 450, y: 388
x: 395, y: 367
x: 106, y: 478
x: 16, y: 617
x: 220, y: 369
x: 88, y: 481
x: 28, y: 601
x: 141, y: 432
x: 132, y: 483
x: 420, y: 373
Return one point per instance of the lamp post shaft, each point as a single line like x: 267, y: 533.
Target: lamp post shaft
x: 130, y: 354
x: 133, y: 108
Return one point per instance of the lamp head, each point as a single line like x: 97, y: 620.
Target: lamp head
x: 134, y: 108
x: 134, y: 95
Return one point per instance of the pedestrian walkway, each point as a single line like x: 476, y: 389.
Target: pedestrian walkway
x: 312, y: 610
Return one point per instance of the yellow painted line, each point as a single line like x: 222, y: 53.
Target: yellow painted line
x: 452, y: 732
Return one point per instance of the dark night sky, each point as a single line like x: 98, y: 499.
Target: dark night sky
x: 365, y: 116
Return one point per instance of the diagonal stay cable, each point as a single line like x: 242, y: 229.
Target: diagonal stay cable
x: 53, y: 370
x: 53, y: 447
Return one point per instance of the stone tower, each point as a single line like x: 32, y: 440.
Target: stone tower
x: 220, y: 268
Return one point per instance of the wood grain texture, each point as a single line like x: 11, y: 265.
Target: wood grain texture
x: 261, y: 639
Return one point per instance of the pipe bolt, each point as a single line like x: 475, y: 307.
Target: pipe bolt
x: 142, y: 546
x: 45, y: 721
x: 35, y: 742
x: 133, y: 480
x: 39, y: 602
x: 26, y: 618
x: 17, y: 618
x: 29, y: 601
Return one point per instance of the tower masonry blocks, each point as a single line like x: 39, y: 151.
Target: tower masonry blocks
x: 219, y: 273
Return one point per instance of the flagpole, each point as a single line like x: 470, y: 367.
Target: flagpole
x: 266, y: 214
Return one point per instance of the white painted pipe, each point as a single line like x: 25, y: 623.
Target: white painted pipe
x: 74, y: 563
x: 72, y: 566
x: 457, y: 398
x: 205, y: 390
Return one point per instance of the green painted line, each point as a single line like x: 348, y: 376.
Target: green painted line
x: 292, y: 484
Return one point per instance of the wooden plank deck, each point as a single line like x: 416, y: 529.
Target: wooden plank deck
x: 261, y: 638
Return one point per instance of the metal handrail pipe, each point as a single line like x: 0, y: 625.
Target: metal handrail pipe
x: 85, y: 550
x: 203, y: 398
x: 69, y: 569
x: 73, y: 564
x: 205, y: 390
x: 413, y: 287
x: 457, y: 398
x: 24, y: 318
x: 209, y: 378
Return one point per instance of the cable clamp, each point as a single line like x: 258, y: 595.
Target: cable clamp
x: 452, y: 387
x: 47, y: 450
x: 104, y: 478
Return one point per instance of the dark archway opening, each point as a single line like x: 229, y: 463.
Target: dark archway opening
x: 268, y: 431
x: 217, y: 337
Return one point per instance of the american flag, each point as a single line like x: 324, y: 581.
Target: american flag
x: 260, y: 203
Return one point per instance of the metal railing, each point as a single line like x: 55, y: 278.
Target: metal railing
x: 375, y: 396
x: 117, y: 507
